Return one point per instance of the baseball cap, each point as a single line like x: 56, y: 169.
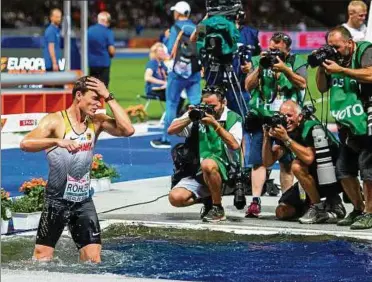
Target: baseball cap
x: 182, y: 7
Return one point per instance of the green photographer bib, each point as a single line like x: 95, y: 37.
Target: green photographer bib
x: 212, y: 147
x: 261, y: 101
x: 346, y: 107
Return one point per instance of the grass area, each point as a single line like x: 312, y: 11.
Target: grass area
x: 127, y: 82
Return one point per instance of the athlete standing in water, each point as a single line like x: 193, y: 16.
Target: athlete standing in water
x: 68, y: 137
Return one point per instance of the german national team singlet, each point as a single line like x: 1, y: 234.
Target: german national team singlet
x: 69, y: 173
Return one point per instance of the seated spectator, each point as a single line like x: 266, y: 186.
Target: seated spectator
x: 156, y: 72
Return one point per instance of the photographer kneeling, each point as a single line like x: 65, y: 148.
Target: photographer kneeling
x: 219, y: 132
x: 303, y: 139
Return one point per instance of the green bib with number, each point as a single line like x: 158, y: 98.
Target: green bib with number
x: 346, y: 107
x: 262, y: 103
x: 212, y: 147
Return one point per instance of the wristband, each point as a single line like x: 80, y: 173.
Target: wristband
x: 110, y: 97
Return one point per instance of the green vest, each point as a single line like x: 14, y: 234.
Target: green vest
x: 211, y: 145
x: 269, y: 86
x: 346, y: 107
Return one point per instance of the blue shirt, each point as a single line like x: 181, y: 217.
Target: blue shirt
x: 52, y: 35
x: 188, y: 28
x: 159, y: 71
x: 100, y: 38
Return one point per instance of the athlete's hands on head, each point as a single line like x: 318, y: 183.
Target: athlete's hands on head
x: 98, y: 86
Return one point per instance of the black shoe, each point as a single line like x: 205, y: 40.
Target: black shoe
x: 216, y: 214
x: 160, y: 144
x: 315, y: 214
x: 207, y: 206
x: 335, y: 208
x: 350, y: 219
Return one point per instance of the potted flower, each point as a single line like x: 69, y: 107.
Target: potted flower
x: 6, y: 214
x: 101, y: 174
x: 27, y: 209
x: 136, y: 113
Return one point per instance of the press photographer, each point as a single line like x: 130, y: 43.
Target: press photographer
x: 348, y: 77
x: 314, y: 150
x: 276, y: 76
x: 218, y: 133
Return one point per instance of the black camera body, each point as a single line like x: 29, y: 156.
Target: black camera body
x: 308, y: 111
x: 317, y: 58
x: 199, y: 111
x: 245, y: 53
x: 276, y: 120
x: 269, y: 59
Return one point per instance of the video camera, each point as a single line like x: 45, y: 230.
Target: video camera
x: 276, y: 120
x: 317, y: 58
x: 269, y: 59
x: 197, y: 113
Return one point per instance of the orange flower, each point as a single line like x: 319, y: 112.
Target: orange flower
x: 94, y: 165
x: 98, y: 156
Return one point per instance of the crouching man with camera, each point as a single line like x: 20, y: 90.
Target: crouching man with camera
x: 314, y: 150
x: 278, y: 76
x: 219, y: 135
x: 348, y: 76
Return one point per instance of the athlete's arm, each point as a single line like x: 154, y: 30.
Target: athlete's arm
x: 120, y: 125
x: 44, y: 136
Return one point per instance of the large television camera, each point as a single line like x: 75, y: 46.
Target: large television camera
x: 229, y: 8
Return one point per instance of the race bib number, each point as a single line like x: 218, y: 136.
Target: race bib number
x: 77, y: 190
x: 276, y: 104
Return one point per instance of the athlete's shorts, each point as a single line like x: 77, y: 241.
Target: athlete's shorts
x: 81, y: 219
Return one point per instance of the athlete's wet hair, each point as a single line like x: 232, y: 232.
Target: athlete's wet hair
x: 80, y: 85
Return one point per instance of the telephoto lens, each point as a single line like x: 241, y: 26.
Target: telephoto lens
x: 325, y: 168
x: 239, y: 196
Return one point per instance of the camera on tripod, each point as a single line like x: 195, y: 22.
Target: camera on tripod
x: 276, y: 120
x: 223, y: 7
x: 317, y: 58
x: 269, y: 59
x: 197, y: 113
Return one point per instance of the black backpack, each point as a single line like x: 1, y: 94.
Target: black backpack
x: 186, y: 58
x: 185, y: 156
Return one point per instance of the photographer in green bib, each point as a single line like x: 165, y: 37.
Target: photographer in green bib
x: 276, y: 76
x: 218, y: 133
x: 348, y: 77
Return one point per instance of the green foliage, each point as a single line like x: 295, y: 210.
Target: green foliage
x: 6, y: 204
x: 33, y: 201
x: 100, y: 169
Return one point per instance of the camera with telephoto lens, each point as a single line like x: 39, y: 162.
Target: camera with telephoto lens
x: 369, y: 117
x: 317, y: 58
x: 199, y: 111
x: 276, y: 120
x: 269, y: 58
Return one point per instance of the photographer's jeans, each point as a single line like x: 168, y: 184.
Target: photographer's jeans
x: 175, y: 86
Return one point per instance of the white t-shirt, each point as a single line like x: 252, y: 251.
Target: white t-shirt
x: 357, y: 34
